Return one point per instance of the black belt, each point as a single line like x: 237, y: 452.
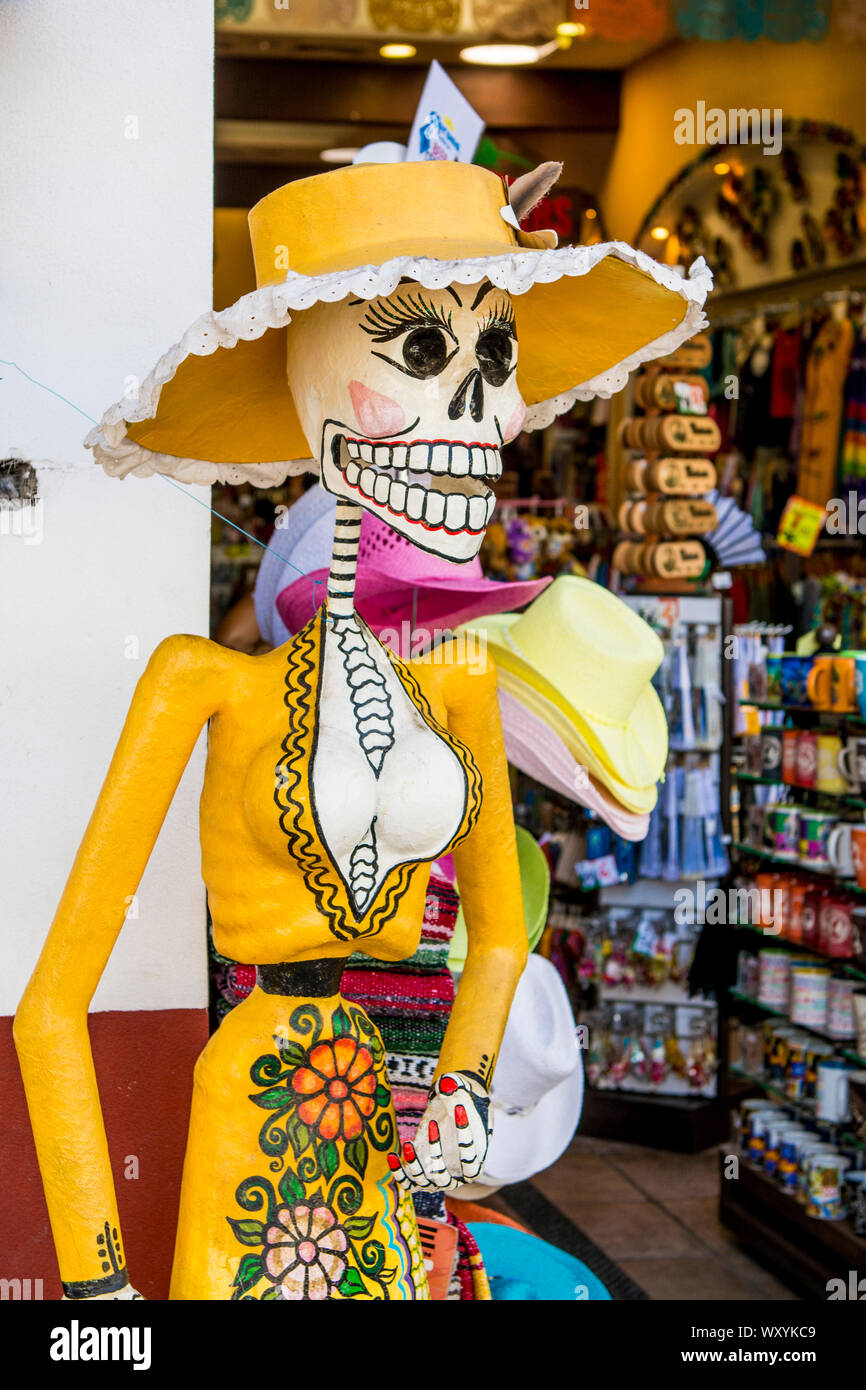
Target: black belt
x: 305, y: 979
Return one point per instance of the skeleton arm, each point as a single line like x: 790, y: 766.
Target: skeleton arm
x: 173, y: 700
x: 451, y: 1143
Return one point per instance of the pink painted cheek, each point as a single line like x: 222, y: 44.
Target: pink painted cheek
x: 376, y: 414
x: 515, y: 423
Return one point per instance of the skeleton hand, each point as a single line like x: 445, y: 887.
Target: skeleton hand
x: 127, y: 1293
x: 451, y: 1144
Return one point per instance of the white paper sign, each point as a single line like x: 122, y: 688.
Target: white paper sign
x: 445, y: 125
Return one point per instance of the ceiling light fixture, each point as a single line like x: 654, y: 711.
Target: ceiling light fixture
x: 659, y: 233
x: 397, y: 50
x: 340, y: 154
x: 721, y: 168
x: 590, y: 213
x: 502, y: 55
x: 570, y: 29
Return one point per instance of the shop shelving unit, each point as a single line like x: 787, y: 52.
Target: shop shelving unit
x: 806, y: 1252
x: 670, y: 1116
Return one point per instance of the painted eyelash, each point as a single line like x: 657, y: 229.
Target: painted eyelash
x: 502, y: 317
x: 385, y: 321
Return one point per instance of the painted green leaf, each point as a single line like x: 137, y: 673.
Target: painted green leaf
x: 292, y: 1053
x: 299, y: 1134
x: 248, y: 1232
x: 270, y: 1294
x: 359, y: 1227
x: 291, y: 1187
x: 387, y: 1276
x: 351, y: 1284
x: 382, y: 1095
x: 341, y: 1024
x: 273, y: 1099
x: 329, y: 1160
x: 249, y: 1272
x: 355, y: 1154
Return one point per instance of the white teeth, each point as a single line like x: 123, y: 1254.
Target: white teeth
x: 490, y: 503
x: 439, y: 458
x: 368, y: 481
x: 455, y: 512
x: 494, y: 465
x: 399, y: 456
x: 418, y: 457
x: 477, y: 514
x: 354, y: 448
x: 479, y: 466
x: 382, y: 487
x: 367, y: 452
x: 382, y: 455
x: 397, y: 496
x: 415, y: 503
x: 434, y: 509
x: 353, y: 473
x: 460, y: 457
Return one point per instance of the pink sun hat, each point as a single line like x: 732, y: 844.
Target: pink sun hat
x: 534, y: 748
x: 400, y: 590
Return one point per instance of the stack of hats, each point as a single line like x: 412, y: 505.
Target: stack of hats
x: 579, y: 709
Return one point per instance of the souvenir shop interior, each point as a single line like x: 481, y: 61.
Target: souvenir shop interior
x: 673, y: 590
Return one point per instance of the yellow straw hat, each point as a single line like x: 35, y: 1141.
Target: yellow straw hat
x: 217, y: 406
x: 583, y: 660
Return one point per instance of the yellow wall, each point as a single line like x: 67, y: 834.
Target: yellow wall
x: 824, y: 81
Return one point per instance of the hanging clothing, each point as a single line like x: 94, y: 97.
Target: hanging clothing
x: 826, y: 372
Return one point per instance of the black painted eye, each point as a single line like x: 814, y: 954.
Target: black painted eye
x: 425, y: 351
x: 493, y: 351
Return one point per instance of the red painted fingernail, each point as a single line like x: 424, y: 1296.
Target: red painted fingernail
x: 447, y: 1085
x: 409, y: 1152
x: 433, y: 1132
x: 460, y: 1117
x: 393, y: 1162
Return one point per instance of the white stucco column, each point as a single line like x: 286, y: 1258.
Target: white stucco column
x: 106, y: 114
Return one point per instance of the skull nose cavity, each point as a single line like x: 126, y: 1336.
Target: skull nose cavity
x: 471, y: 387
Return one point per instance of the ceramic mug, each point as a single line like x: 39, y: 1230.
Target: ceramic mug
x: 771, y: 753
x: 807, y: 758
x: 852, y: 764
x: 782, y: 831
x: 815, y: 830
x: 774, y: 678
x: 855, y: 1194
x: 843, y: 683
x: 825, y: 1174
x: 828, y: 776
x: 789, y: 756
x: 836, y: 926
x: 843, y: 842
x: 795, y: 675
x: 860, y: 682
x: 819, y: 682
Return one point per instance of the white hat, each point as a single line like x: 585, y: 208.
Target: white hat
x: 537, y: 1092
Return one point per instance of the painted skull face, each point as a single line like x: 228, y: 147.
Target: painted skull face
x: 408, y: 399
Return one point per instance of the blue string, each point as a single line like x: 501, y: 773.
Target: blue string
x: 4, y: 362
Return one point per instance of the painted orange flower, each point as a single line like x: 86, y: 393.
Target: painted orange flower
x: 337, y: 1085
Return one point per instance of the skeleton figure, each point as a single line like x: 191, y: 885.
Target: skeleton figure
x: 336, y: 773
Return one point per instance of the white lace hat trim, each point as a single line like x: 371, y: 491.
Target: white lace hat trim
x: 270, y: 307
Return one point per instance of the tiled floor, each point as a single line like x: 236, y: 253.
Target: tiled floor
x: 655, y: 1215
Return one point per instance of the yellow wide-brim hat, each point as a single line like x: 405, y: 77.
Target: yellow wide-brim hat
x: 583, y: 661
x: 217, y: 406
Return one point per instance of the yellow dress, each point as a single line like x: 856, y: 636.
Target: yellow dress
x: 287, y: 1191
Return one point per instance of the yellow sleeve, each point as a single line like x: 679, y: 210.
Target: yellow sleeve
x: 172, y: 702
x: 488, y: 878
